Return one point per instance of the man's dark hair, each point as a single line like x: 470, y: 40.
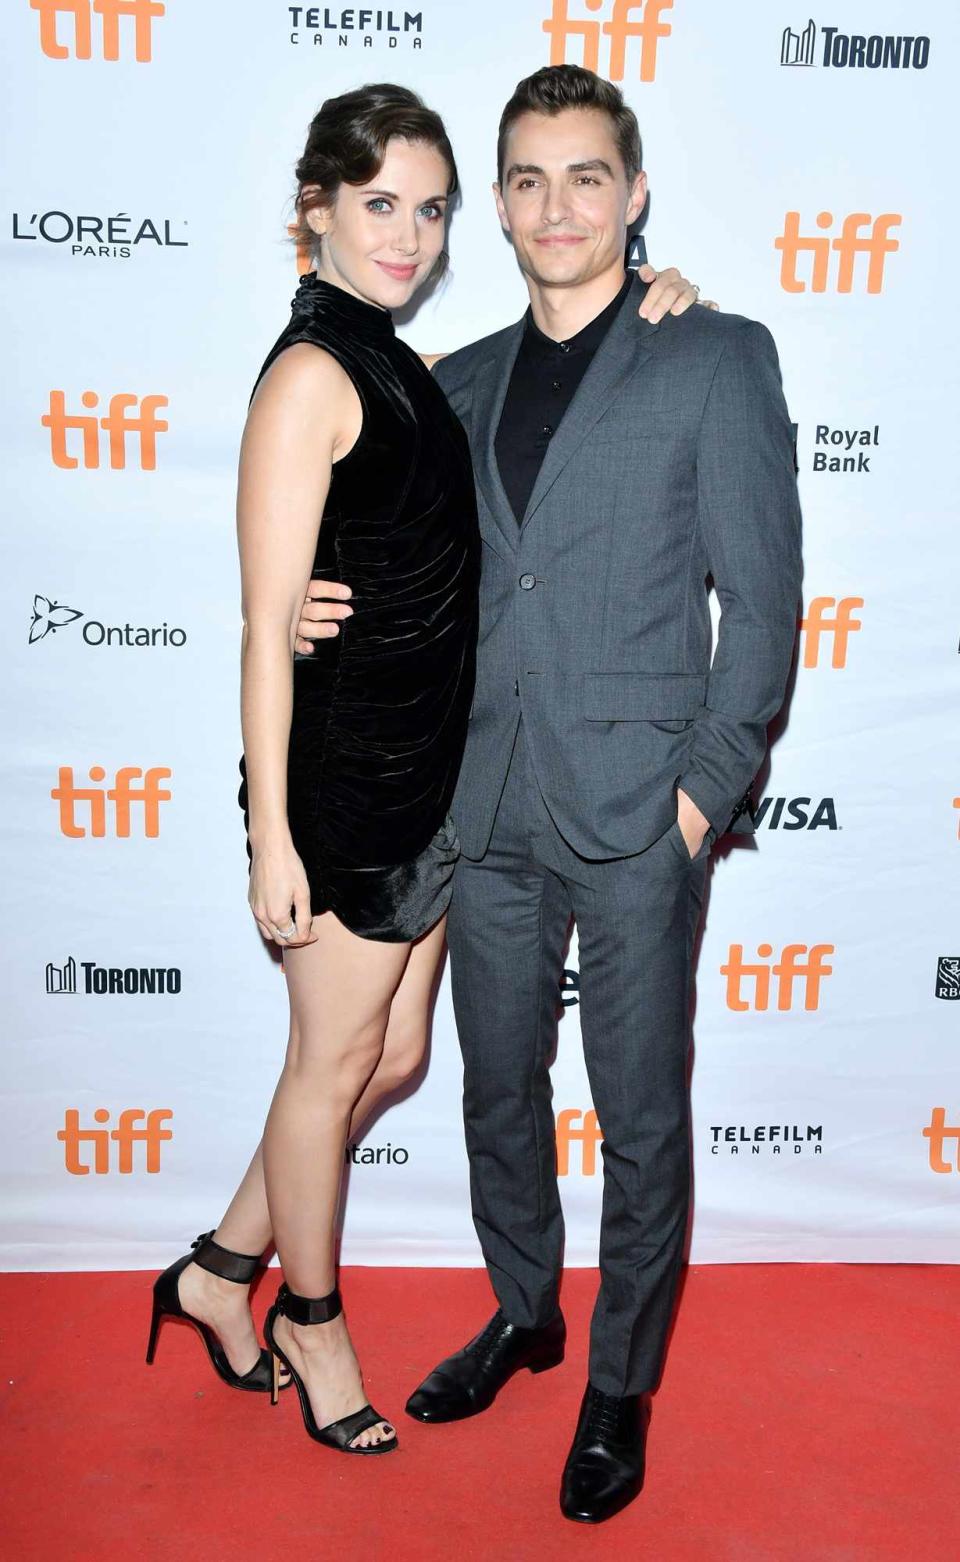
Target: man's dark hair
x: 557, y: 87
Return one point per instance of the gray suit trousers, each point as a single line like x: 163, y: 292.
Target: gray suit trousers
x: 636, y: 922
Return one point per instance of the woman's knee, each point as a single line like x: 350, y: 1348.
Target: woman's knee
x: 403, y: 1053
x: 334, y: 1066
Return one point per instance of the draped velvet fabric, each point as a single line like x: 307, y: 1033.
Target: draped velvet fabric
x: 380, y: 711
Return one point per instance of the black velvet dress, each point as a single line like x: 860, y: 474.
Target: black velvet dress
x: 380, y: 711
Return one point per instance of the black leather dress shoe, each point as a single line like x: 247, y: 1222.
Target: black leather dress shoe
x: 604, y: 1468
x: 469, y: 1382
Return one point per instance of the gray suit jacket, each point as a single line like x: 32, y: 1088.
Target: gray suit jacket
x: 674, y: 461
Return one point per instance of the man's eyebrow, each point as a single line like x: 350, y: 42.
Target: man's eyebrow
x: 592, y: 165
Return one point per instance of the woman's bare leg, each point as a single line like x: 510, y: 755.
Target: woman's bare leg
x: 408, y: 1026
x: 246, y: 1226
x: 340, y: 988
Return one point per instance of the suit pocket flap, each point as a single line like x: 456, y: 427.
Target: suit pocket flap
x: 643, y: 696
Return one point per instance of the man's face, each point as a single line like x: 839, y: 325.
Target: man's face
x: 565, y: 200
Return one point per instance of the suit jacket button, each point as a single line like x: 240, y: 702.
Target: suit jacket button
x: 527, y: 582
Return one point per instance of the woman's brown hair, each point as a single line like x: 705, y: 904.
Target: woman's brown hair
x: 347, y: 141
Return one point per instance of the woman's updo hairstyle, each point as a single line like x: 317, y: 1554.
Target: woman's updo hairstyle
x: 346, y: 144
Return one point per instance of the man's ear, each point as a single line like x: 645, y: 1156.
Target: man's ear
x: 638, y: 197
x: 501, y: 209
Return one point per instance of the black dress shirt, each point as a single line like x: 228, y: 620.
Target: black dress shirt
x: 544, y: 378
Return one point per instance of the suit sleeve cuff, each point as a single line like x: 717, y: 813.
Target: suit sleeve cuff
x: 718, y: 808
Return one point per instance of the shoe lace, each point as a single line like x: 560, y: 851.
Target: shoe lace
x: 487, y: 1337
x: 603, y: 1413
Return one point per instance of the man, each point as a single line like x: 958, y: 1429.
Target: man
x: 619, y: 463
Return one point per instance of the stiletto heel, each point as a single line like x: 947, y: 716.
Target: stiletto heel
x: 238, y: 1267
x: 155, y: 1318
x: 337, y: 1434
x: 275, y: 1378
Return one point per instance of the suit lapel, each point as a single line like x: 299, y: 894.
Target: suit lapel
x: 626, y: 346
x: 490, y: 389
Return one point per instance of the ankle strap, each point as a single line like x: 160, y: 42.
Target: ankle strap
x: 309, y: 1309
x: 239, y: 1267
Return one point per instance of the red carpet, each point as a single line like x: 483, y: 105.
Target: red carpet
x: 807, y: 1412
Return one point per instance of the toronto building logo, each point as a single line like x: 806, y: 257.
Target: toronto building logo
x: 854, y: 51
x: 49, y: 615
x: 133, y: 980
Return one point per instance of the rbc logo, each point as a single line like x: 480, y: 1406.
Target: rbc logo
x: 787, y: 970
x: 126, y: 1134
x: 140, y: 12
x: 122, y: 794
x: 876, y: 245
x: 817, y: 625
x: 620, y: 26
x: 117, y: 424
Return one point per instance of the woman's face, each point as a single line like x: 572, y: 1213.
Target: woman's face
x: 381, y: 240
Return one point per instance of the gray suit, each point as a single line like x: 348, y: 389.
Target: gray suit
x: 673, y: 462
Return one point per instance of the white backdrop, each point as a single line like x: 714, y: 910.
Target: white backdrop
x: 145, y: 257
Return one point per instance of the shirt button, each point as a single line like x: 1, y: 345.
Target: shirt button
x: 563, y: 347
x: 547, y: 430
x: 527, y: 582
x: 557, y: 385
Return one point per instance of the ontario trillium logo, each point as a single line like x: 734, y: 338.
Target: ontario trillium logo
x: 49, y: 616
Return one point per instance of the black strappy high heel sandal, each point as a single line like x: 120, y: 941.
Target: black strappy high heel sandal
x: 238, y: 1267
x: 338, y: 1434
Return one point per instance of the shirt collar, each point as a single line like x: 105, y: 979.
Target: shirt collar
x: 585, y: 341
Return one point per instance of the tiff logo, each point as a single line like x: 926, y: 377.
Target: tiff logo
x: 141, y: 12
x: 937, y: 1134
x: 588, y: 1135
x: 787, y: 969
x: 117, y: 424
x: 620, y: 27
x: 126, y: 1134
x: 817, y: 625
x: 797, y: 48
x: 851, y: 242
x: 122, y: 794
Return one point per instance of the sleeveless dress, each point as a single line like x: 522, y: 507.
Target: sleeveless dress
x: 380, y: 710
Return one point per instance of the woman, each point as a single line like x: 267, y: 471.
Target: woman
x: 352, y: 468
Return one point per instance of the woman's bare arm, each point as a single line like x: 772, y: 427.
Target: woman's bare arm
x: 305, y: 413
